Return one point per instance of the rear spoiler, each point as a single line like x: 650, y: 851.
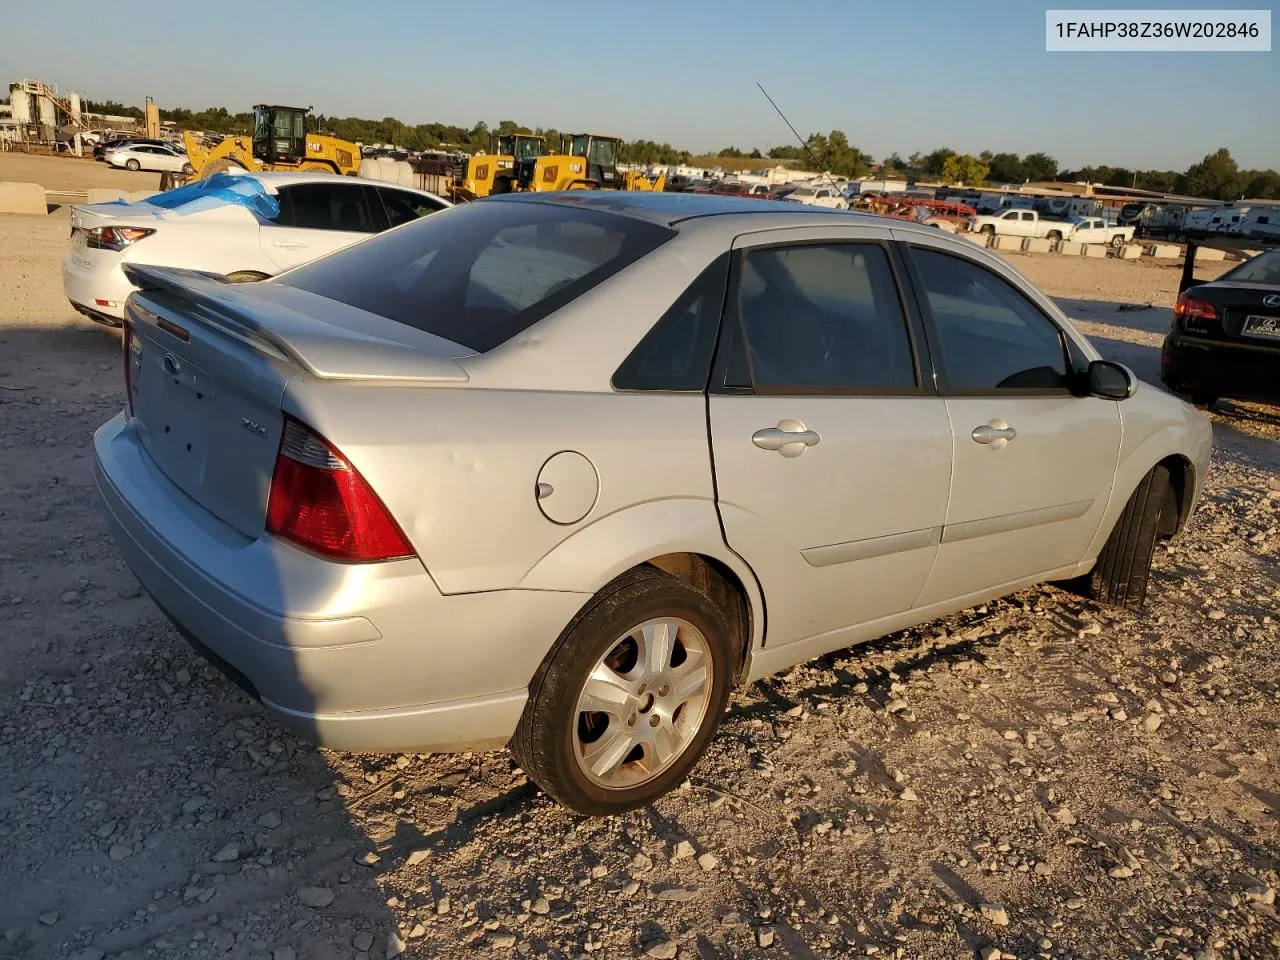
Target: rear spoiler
x: 320, y: 349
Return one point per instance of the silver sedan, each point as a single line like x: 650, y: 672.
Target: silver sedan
x: 558, y: 471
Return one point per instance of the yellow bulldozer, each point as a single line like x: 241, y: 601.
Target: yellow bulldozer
x: 587, y: 161
x: 280, y: 141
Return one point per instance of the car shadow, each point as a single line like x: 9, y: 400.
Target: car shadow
x: 148, y: 803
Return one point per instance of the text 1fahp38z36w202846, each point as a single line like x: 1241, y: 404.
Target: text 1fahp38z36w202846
x: 558, y: 471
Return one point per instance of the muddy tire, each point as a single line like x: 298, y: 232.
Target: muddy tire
x: 627, y: 700
x: 1123, y: 569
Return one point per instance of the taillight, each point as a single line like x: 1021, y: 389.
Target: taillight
x: 1191, y: 307
x: 1196, y: 315
x: 131, y: 355
x: 114, y: 238
x: 321, y: 503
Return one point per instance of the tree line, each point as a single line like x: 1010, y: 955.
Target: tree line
x: 1216, y: 177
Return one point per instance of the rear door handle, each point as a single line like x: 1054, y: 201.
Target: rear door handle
x: 789, y: 438
x: 997, y: 433
x: 291, y: 244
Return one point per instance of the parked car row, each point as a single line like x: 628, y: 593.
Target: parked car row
x: 1028, y: 223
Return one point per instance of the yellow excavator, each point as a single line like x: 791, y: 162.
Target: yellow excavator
x: 587, y: 161
x: 280, y: 141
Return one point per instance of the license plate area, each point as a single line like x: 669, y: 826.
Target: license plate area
x: 1261, y: 328
x: 177, y: 407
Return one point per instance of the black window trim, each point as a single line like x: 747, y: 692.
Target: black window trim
x: 921, y: 296
x: 731, y: 348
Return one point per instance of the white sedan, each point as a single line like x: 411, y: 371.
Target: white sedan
x: 247, y: 226
x: 162, y: 158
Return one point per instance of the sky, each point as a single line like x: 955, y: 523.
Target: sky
x: 904, y: 76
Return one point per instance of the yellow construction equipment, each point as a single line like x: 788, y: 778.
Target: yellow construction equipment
x: 488, y: 173
x: 280, y: 141
x: 587, y: 161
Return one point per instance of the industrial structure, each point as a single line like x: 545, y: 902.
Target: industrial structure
x: 39, y: 114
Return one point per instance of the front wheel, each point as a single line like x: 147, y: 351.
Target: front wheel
x: 1117, y: 241
x: 629, y: 697
x: 1123, y: 570
x: 132, y: 165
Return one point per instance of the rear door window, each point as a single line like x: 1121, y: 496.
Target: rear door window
x: 483, y: 272
x: 403, y: 207
x: 333, y: 206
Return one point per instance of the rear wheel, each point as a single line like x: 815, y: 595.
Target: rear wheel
x: 132, y: 165
x: 1117, y: 241
x: 188, y: 169
x: 1123, y: 569
x: 628, y: 699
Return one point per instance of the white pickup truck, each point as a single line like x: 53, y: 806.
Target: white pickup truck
x: 1097, y: 230
x: 1017, y: 223
x: 1027, y: 223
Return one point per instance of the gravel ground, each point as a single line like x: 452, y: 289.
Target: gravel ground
x: 1031, y: 778
x: 71, y: 173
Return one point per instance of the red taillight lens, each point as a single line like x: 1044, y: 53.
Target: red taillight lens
x: 1187, y: 307
x: 115, y: 238
x: 321, y: 503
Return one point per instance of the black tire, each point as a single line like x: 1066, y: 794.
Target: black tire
x: 988, y: 230
x: 1123, y: 570
x: 544, y: 742
x: 132, y: 164
x: 1198, y: 398
x: 188, y: 169
x: 1117, y: 241
x: 1053, y: 236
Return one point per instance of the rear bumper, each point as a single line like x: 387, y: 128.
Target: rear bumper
x: 351, y: 656
x: 87, y: 283
x: 1242, y: 371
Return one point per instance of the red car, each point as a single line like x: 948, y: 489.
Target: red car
x: 757, y: 190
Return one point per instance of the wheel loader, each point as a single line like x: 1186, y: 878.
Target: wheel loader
x: 587, y: 161
x: 280, y: 141
x: 488, y: 173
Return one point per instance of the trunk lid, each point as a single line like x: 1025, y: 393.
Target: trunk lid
x: 210, y: 362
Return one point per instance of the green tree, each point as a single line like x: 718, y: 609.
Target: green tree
x: 1005, y: 168
x: 965, y: 169
x: 1216, y: 176
x: 1039, y: 166
x: 936, y: 161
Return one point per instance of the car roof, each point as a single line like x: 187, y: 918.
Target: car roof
x: 669, y: 209
x: 285, y: 178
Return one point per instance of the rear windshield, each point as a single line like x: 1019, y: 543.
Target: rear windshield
x: 481, y: 272
x: 1264, y: 268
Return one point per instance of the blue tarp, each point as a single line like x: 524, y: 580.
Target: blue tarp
x: 215, y: 191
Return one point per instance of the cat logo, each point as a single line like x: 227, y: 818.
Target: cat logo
x: 575, y: 168
x: 313, y: 147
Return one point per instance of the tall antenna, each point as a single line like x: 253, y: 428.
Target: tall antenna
x: 803, y: 145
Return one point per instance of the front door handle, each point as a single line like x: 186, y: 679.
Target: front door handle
x: 997, y: 433
x: 291, y: 244
x: 789, y: 438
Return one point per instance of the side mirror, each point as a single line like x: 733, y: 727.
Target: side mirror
x: 1111, y: 381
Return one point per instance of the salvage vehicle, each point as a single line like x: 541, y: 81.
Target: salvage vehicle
x: 417, y: 496
x: 1016, y: 222
x: 161, y: 158
x: 1224, y: 340
x: 244, y: 226
x: 1093, y: 230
